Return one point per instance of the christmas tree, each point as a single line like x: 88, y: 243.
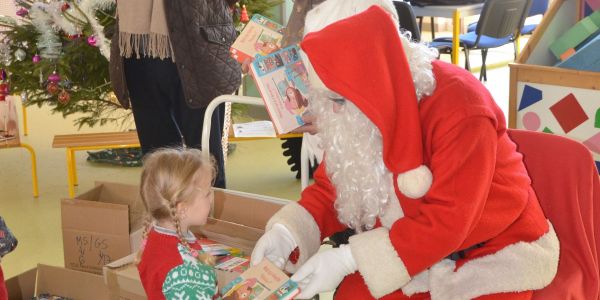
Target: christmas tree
x: 56, y: 53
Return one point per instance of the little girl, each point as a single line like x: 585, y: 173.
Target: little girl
x: 176, y: 191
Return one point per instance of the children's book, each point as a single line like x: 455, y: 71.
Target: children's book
x: 282, y: 81
x: 217, y: 249
x: 230, y: 263
x: 261, y: 36
x: 262, y: 282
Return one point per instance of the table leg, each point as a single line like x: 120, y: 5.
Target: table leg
x: 455, y: 36
x: 70, y: 173
x: 25, y: 130
x: 74, y: 167
x: 34, y: 177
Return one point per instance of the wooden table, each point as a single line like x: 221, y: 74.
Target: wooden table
x: 109, y: 140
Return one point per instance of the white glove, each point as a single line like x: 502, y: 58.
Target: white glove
x: 324, y: 271
x: 276, y: 245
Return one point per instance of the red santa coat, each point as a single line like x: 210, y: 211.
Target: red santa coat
x: 480, y: 193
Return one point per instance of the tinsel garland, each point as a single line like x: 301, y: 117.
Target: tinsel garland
x: 50, y: 18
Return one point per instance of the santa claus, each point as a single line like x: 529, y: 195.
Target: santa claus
x: 418, y: 162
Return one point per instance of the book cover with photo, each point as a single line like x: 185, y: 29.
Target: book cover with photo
x: 282, y: 81
x: 261, y: 282
x: 9, y: 125
x: 261, y: 36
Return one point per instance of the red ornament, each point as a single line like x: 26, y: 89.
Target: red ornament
x: 244, y: 15
x: 65, y: 6
x: 2, y: 97
x: 64, y: 97
x: 73, y: 37
x: 3, y: 89
x: 52, y: 88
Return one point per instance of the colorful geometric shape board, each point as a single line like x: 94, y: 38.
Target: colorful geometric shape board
x: 569, y: 113
x: 566, y: 111
x: 531, y: 121
x: 593, y: 143
x: 589, y: 6
x: 530, y: 96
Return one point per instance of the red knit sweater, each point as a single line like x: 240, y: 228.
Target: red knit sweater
x: 168, y: 271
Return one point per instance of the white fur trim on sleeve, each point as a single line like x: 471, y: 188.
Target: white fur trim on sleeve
x: 418, y: 284
x: 378, y: 262
x: 416, y: 182
x: 303, y: 228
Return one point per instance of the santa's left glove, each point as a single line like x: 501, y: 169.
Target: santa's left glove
x: 324, y: 271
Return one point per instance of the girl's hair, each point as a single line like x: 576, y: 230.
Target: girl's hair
x: 170, y: 177
x: 300, y: 100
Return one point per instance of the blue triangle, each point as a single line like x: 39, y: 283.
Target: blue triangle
x: 530, y: 96
x: 598, y: 165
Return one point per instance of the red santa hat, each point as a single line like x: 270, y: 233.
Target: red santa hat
x: 362, y: 58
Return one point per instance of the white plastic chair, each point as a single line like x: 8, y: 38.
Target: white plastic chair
x: 252, y: 101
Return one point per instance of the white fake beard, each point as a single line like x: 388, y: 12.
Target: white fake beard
x: 354, y: 162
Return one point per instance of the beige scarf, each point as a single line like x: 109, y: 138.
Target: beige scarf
x: 143, y: 29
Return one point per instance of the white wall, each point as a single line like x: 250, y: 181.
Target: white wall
x: 7, y: 8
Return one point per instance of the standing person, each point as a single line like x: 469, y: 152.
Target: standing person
x: 294, y: 30
x: 419, y: 163
x: 176, y: 191
x: 169, y: 59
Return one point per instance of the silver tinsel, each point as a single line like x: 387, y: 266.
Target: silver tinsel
x: 5, y: 55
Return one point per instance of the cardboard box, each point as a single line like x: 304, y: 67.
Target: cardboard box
x: 57, y: 281
x: 101, y: 225
x: 238, y: 220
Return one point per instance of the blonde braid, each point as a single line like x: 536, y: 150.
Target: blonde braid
x: 203, y: 257
x: 147, y: 228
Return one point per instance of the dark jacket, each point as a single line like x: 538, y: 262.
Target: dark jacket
x: 201, y: 33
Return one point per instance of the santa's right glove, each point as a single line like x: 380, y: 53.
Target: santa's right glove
x: 275, y: 245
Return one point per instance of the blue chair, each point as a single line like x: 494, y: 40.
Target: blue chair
x: 499, y: 24
x: 538, y: 7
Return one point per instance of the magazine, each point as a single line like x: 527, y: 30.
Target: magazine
x: 262, y: 282
x: 282, y: 81
x: 254, y: 129
x: 260, y: 36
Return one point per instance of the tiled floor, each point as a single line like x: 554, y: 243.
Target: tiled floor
x: 256, y: 167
